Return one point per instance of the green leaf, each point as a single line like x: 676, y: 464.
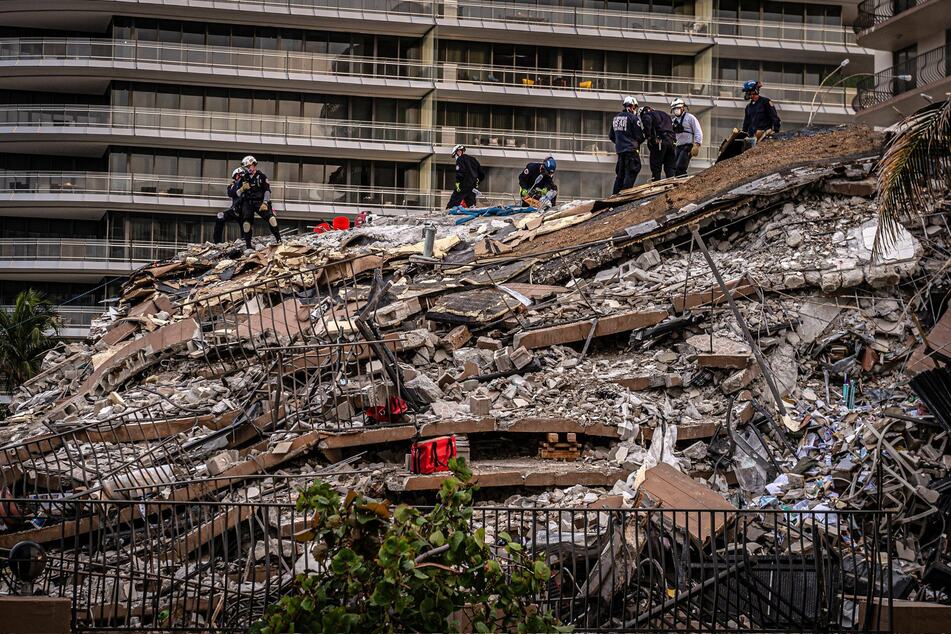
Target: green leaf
x: 481, y: 627
x: 436, y: 538
x: 542, y: 571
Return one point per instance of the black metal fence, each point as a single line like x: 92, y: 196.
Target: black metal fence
x: 139, y: 565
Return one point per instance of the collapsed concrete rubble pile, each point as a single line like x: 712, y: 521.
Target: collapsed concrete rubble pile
x: 587, y: 355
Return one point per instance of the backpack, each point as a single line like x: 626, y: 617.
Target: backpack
x: 431, y: 456
x: 678, y: 124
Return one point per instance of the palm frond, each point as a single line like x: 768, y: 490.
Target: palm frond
x: 916, y: 165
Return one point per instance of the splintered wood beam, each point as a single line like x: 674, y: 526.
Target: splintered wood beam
x: 580, y: 330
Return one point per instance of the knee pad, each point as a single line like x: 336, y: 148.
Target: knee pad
x: 246, y: 226
x: 272, y: 221
x: 221, y: 215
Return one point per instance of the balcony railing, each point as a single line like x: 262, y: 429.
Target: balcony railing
x: 627, y: 21
x: 212, y: 189
x: 84, y: 250
x: 143, y: 54
x: 874, y: 12
x: 135, y: 119
x: 919, y: 71
x: 71, y: 316
x: 402, y: 7
x: 584, y: 81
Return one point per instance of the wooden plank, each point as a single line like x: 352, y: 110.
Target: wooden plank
x: 35, y: 615
x: 578, y: 331
x: 672, y: 489
x: 908, y: 617
x: 524, y: 476
x: 740, y: 287
x: 401, y: 433
x: 686, y: 432
x: 206, y: 532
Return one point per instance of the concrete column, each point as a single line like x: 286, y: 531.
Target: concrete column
x: 427, y: 118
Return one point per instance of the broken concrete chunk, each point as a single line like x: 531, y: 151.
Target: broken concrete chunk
x: 488, y: 343
x: 456, y: 338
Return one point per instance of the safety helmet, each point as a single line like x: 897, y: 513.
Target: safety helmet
x: 237, y: 171
x: 456, y: 148
x: 751, y: 85
x: 630, y: 101
x: 550, y: 165
x: 249, y: 160
x: 677, y: 103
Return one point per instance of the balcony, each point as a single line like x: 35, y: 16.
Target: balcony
x: 900, y: 87
x: 72, y: 59
x: 76, y: 260
x: 491, y: 84
x: 94, y: 192
x: 893, y: 24
x: 26, y: 125
x: 76, y: 320
x: 668, y: 33
x: 409, y: 17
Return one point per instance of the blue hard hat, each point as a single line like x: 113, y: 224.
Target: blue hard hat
x: 550, y: 164
x: 750, y: 85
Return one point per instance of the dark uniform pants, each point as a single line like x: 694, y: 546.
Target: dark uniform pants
x: 682, y: 158
x: 626, y: 170
x: 222, y: 219
x: 661, y: 157
x: 458, y: 198
x: 248, y: 208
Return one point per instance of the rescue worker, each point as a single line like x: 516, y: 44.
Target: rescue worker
x: 468, y: 175
x: 537, y: 181
x: 255, y: 192
x: 761, y: 119
x: 627, y: 135
x: 659, y: 131
x: 689, y: 136
x: 234, y: 211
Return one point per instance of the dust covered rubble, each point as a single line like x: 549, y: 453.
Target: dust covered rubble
x: 816, y: 303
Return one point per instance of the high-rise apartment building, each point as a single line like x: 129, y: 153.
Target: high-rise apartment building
x: 122, y: 119
x: 912, y: 42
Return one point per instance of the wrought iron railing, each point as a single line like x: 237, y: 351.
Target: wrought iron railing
x: 874, y: 12
x: 915, y: 73
x: 178, y: 565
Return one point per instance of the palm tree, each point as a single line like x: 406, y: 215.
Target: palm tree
x: 915, y: 167
x: 26, y: 333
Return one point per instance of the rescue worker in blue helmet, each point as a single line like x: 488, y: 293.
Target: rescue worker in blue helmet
x: 627, y: 135
x: 761, y: 119
x: 468, y: 175
x: 537, y: 181
x: 234, y: 211
x: 255, y: 192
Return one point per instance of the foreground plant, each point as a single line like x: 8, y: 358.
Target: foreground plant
x: 27, y: 332
x: 915, y: 168
x: 381, y: 569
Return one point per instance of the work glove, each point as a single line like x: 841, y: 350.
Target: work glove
x: 244, y: 187
x: 695, y: 150
x: 263, y: 207
x: 458, y: 188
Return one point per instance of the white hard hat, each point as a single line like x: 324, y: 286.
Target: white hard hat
x: 249, y: 160
x: 677, y: 103
x: 236, y: 171
x: 456, y: 148
x: 630, y: 101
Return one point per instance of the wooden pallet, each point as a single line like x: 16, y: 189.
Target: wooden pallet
x: 556, y: 448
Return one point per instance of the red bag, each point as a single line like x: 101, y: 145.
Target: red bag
x: 431, y: 456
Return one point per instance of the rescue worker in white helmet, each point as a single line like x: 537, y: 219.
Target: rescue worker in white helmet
x: 468, y: 174
x: 234, y: 211
x: 627, y: 134
x: 255, y: 192
x: 689, y: 136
